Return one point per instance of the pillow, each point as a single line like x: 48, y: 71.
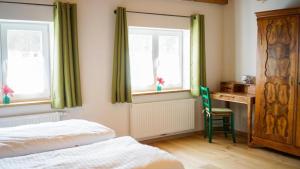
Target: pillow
x: 36, y: 138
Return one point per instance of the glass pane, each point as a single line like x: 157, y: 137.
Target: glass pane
x: 141, y: 65
x: 169, y: 64
x: 25, y: 62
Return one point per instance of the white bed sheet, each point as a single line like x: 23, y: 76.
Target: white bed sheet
x: 118, y: 153
x: 35, y: 138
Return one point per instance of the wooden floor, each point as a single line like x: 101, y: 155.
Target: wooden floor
x: 196, y: 153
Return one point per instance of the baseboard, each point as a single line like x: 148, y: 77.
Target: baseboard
x: 170, y: 137
x: 239, y: 134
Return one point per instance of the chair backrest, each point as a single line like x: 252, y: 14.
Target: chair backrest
x: 206, y: 102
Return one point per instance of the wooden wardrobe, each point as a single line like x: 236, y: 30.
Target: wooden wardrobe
x: 277, y: 113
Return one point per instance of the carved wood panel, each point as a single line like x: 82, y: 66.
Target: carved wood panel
x: 297, y: 138
x: 277, y: 78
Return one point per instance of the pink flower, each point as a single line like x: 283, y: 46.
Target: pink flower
x: 7, y: 91
x: 160, y: 80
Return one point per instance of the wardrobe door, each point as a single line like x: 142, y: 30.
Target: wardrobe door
x: 297, y: 136
x: 277, y: 62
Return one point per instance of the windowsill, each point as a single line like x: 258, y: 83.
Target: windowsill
x: 25, y: 103
x: 161, y: 92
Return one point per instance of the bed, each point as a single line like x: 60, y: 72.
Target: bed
x: 105, y: 153
x: 35, y: 138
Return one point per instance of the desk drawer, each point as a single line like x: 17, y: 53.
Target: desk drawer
x: 230, y: 98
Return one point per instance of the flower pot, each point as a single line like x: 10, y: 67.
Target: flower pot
x: 158, y: 88
x: 6, y: 99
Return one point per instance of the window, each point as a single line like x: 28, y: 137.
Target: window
x: 157, y: 53
x: 25, y: 63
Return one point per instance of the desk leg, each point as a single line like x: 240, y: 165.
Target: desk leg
x: 249, y: 114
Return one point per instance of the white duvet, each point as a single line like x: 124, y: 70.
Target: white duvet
x: 118, y: 153
x: 35, y: 138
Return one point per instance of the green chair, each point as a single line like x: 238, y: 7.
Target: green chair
x: 210, y: 113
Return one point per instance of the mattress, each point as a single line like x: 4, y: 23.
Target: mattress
x: 36, y: 138
x: 118, y: 153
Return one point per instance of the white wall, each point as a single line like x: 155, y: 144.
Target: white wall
x: 96, y: 22
x: 96, y: 34
x: 26, y: 12
x: 230, y: 41
x: 240, y: 42
x: 241, y: 34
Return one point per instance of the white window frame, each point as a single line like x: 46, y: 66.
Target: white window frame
x: 155, y: 33
x: 21, y: 25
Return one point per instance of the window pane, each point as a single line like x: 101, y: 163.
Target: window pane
x: 169, y: 62
x: 25, y: 62
x: 141, y: 65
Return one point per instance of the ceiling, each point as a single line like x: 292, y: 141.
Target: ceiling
x: 222, y: 2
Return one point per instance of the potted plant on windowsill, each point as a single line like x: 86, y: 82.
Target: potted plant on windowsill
x: 160, y: 83
x: 7, y: 93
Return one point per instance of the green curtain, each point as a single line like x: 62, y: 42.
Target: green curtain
x: 65, y: 83
x: 198, y: 66
x: 121, y: 87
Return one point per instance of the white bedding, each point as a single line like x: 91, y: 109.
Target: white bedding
x: 35, y: 138
x: 118, y: 153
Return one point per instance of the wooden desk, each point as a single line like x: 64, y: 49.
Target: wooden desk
x: 243, y: 98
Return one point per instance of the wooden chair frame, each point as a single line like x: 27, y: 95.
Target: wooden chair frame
x: 209, y: 114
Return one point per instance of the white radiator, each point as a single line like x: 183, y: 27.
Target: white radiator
x: 30, y: 119
x: 149, y: 120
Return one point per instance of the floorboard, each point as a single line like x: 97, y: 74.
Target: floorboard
x: 196, y: 153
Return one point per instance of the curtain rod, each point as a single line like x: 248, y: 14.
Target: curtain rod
x: 25, y: 3
x: 149, y: 13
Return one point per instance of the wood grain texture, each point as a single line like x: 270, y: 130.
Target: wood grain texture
x: 287, y: 148
x: 278, y: 12
x: 297, y: 114
x: 25, y: 103
x: 160, y: 92
x: 276, y: 107
x: 243, y: 98
x: 222, y: 2
x: 277, y: 78
x: 196, y: 153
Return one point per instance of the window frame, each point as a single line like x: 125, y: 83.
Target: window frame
x: 45, y: 28
x: 155, y: 33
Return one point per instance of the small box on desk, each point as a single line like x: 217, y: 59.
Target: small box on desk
x: 237, y: 87
x: 231, y: 87
x: 250, y: 88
